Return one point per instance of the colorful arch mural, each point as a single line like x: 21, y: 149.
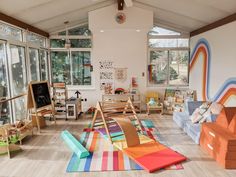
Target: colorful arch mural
x: 227, y: 90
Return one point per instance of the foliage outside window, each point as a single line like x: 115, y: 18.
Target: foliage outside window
x: 168, y: 58
x: 72, y: 66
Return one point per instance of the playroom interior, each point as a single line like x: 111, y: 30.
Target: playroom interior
x: 117, y: 88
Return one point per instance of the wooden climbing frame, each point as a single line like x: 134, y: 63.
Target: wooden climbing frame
x: 111, y: 112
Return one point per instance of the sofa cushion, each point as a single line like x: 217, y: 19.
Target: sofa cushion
x: 225, y: 116
x: 200, y: 114
x: 193, y: 130
x: 180, y: 118
x: 232, y: 125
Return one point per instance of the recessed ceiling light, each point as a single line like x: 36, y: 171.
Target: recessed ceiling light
x: 138, y: 30
x: 102, y: 31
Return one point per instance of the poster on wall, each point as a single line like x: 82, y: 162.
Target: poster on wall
x: 121, y: 74
x: 134, y: 85
x: 106, y: 76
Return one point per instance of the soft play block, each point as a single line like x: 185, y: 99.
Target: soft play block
x: 74, y: 144
x: 153, y: 156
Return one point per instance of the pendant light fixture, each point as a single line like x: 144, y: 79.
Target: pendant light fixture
x: 67, y: 42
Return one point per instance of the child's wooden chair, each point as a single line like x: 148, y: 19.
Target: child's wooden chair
x: 153, y: 102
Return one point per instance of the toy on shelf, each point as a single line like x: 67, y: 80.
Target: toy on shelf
x: 175, y: 98
x: 153, y: 102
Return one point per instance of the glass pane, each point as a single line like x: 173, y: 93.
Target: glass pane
x: 43, y: 64
x: 81, y: 43
x: 10, y: 32
x: 178, y: 42
x: 4, y: 107
x: 81, y: 68
x: 36, y: 39
x: 57, y: 43
x: 60, y: 67
x: 162, y: 31
x: 178, y: 67
x: 18, y: 80
x: 34, y: 64
x: 80, y: 30
x: 158, y: 68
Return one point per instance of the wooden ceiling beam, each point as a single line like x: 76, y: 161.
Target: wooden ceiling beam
x: 16, y: 22
x: 214, y: 25
x: 120, y: 4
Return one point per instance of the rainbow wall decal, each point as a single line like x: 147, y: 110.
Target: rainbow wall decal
x: 227, y: 90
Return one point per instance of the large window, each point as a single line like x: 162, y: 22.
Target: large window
x: 10, y: 32
x: 60, y: 67
x: 19, y: 80
x: 168, y: 58
x: 36, y: 39
x: 34, y: 64
x: 73, y: 65
x: 4, y: 108
x: 43, y: 59
x: 23, y: 57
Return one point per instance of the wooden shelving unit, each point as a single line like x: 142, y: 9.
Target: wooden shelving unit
x: 59, y: 98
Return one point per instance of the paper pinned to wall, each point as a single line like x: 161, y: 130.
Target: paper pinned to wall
x: 106, y: 76
x: 15, y: 58
x: 121, y: 74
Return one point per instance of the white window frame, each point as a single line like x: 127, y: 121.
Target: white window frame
x: 181, y: 36
x: 56, y: 36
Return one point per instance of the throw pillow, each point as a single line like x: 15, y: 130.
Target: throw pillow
x: 200, y: 114
x: 232, y: 125
x: 196, y: 116
x: 216, y: 108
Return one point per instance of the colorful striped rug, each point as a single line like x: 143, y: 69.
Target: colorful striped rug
x: 105, y: 157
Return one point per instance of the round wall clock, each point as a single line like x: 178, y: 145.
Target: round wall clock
x: 120, y: 17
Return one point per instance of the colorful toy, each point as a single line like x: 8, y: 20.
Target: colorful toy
x: 125, y: 136
x: 74, y: 144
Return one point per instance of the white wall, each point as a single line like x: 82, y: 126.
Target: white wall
x: 120, y: 43
x: 222, y: 43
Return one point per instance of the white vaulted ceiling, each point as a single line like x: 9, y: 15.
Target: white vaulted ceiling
x: 186, y: 15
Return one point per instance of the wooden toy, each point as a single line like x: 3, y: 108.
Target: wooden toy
x: 111, y: 110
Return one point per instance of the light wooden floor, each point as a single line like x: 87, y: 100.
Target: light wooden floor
x: 45, y: 155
